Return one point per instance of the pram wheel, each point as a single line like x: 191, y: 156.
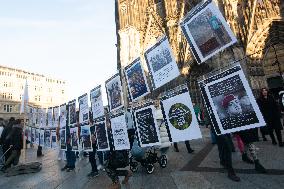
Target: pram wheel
x: 163, y: 161
x: 133, y: 166
x: 150, y: 168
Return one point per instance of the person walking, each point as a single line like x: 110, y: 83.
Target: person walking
x: 271, y: 114
x: 4, y: 140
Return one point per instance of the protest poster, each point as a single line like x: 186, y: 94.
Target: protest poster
x: 119, y: 131
x: 32, y: 135
x: 97, y: 102
x: 86, y: 137
x: 83, y: 108
x: 55, y: 116
x: 43, y: 121
x: 63, y: 116
x: 49, y: 117
x: 72, y: 112
x: 179, y: 115
x: 74, y: 138
x: 230, y: 102
x: 36, y: 136
x: 53, y: 139
x: 146, y: 125
x: 30, y: 116
x: 136, y: 80
x: 114, y: 92
x: 101, y: 134
x: 63, y: 139
x: 41, y: 137
x: 47, y: 138
x: 35, y: 112
x: 206, y: 31
x: 161, y: 63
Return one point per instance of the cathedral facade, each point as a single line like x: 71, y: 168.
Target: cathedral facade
x: 257, y: 24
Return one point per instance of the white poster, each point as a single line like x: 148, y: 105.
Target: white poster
x: 63, y: 116
x: 230, y: 102
x: 49, y: 117
x: 74, y: 138
x: 146, y: 125
x: 36, y: 136
x: 119, y: 132
x: 179, y: 115
x: 43, y: 118
x: 100, y: 131
x: 41, y: 137
x: 56, y: 116
x: 114, y: 92
x: 47, y: 138
x: 83, y: 108
x: 53, y: 139
x: 72, y: 112
x: 161, y: 63
x: 136, y: 80
x: 97, y: 102
x: 86, y: 138
x: 206, y: 31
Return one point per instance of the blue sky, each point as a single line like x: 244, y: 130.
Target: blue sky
x: 72, y: 40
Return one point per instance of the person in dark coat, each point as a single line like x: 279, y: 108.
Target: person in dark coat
x: 271, y: 114
x: 5, y: 139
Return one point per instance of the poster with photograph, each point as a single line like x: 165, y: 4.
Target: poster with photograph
x: 179, y: 115
x: 146, y: 125
x: 55, y: 116
x: 32, y: 135
x: 72, y: 112
x: 30, y: 116
x: 119, y: 131
x: 230, y: 102
x: 63, y: 116
x: 41, y: 137
x: 86, y: 137
x: 29, y: 133
x: 161, y: 63
x: 74, y: 138
x: 136, y: 80
x: 49, y: 117
x: 36, y: 136
x: 43, y: 121
x: 47, y: 138
x: 114, y: 92
x: 101, y: 134
x: 83, y: 108
x: 63, y: 145
x: 35, y: 113
x: 97, y: 102
x: 53, y: 139
x: 206, y: 31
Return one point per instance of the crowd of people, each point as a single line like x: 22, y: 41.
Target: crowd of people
x: 112, y: 161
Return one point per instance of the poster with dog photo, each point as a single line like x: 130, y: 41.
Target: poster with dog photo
x: 161, y: 63
x: 207, y: 31
x: 136, y: 80
x: 179, y: 115
x: 230, y: 102
x: 114, y: 92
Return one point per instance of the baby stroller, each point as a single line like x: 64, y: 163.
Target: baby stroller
x: 147, y: 158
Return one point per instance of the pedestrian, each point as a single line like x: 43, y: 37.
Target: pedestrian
x: 92, y: 154
x: 5, y: 141
x: 271, y: 114
x: 188, y: 147
x: 130, y: 127
x: 15, y: 138
x: 70, y: 156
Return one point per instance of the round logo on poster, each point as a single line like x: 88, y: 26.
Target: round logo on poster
x: 180, y: 116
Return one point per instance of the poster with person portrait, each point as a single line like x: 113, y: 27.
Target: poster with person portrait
x: 47, y: 138
x: 83, y: 108
x: 86, y: 137
x: 72, y: 112
x: 179, y: 115
x: 53, y: 139
x: 230, y: 102
x: 146, y: 125
x: 136, y: 80
x: 114, y: 92
x: 206, y: 31
x: 41, y: 137
x: 97, y: 102
x: 55, y: 116
x: 101, y: 134
x: 36, y: 136
x: 161, y: 63
x: 74, y: 138
x: 63, y: 116
x: 49, y: 117
x: 62, y: 141
x: 119, y: 131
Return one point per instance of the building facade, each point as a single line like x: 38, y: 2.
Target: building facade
x: 258, y: 25
x: 43, y: 91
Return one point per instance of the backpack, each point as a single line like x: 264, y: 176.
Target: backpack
x: 119, y: 159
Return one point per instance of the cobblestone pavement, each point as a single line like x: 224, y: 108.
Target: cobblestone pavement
x: 198, y: 170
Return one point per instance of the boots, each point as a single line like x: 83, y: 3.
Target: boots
x: 246, y: 159
x: 232, y: 175
x: 258, y: 167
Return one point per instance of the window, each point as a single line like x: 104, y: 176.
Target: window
x: 5, y: 84
x: 4, y: 95
x: 62, y: 91
x: 50, y: 90
x: 10, y: 96
x: 7, y: 108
